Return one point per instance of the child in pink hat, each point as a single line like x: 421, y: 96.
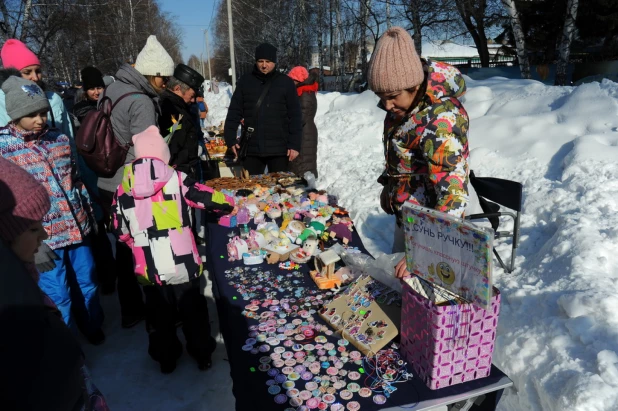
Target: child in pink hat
x: 151, y: 214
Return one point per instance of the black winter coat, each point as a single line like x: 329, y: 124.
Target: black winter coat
x: 279, y: 123
x: 308, y: 158
x: 185, y: 141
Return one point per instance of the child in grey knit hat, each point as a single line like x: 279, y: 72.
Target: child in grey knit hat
x: 46, y: 154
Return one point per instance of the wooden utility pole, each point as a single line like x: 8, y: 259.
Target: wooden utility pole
x: 231, y: 33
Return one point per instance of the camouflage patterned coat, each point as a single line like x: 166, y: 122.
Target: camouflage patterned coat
x: 427, y: 151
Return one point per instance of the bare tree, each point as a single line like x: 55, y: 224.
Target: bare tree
x: 564, y: 47
x: 520, y: 41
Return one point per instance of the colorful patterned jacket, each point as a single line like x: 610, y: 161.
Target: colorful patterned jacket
x: 427, y: 152
x: 47, y: 156
x: 151, y: 213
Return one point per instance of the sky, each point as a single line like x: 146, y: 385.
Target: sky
x: 192, y: 16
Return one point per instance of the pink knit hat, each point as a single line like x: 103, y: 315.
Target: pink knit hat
x: 394, y: 64
x: 16, y: 54
x: 149, y: 143
x: 298, y: 73
x: 23, y: 200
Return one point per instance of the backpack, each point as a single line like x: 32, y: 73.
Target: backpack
x: 96, y: 142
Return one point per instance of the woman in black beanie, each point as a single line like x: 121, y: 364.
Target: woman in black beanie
x: 93, y: 86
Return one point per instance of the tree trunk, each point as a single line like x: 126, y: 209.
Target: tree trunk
x: 414, y: 10
x: 320, y: 43
x: 518, y: 33
x: 468, y: 11
x: 364, y: 20
x: 331, y: 56
x: 388, y: 14
x: 25, y: 22
x: 564, y: 48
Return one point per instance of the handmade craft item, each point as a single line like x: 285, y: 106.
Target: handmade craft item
x: 446, y: 339
x: 254, y: 257
x: 315, y: 228
x: 236, y: 248
x: 324, y: 273
x: 356, y: 314
x: 450, y: 252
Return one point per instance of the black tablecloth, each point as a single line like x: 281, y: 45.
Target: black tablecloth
x: 250, y: 387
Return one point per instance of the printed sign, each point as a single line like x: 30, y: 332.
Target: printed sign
x: 451, y: 252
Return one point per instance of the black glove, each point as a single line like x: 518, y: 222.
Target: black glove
x: 44, y: 259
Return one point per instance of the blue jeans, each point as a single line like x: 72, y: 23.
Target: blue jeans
x: 73, y: 288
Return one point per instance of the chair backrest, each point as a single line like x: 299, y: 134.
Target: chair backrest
x: 504, y: 192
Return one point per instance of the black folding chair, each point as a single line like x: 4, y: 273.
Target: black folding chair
x: 494, y: 192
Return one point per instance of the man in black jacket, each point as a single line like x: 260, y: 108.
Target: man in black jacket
x: 278, y: 123
x: 177, y: 119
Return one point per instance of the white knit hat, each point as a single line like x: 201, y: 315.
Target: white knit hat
x: 153, y: 60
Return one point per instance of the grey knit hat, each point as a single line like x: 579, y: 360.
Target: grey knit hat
x: 23, y: 98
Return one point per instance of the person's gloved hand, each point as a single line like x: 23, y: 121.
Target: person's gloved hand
x: 45, y: 258
x: 385, y: 201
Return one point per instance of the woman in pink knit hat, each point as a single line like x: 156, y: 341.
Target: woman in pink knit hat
x: 19, y: 60
x: 425, y: 131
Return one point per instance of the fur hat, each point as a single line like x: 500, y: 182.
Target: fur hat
x: 23, y: 97
x: 149, y: 143
x: 153, y: 60
x: 394, y: 64
x: 24, y: 200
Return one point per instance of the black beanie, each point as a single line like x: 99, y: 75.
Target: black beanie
x: 267, y: 52
x: 91, y: 78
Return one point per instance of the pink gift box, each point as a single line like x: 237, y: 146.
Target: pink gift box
x: 447, y: 344
x: 228, y: 221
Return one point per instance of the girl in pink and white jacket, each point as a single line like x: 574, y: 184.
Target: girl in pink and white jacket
x: 151, y: 213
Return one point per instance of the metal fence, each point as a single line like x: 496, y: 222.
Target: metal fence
x: 494, y: 61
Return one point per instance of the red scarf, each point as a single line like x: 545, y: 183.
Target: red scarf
x: 310, y: 88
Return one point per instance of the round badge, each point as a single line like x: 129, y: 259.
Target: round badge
x: 264, y: 367
x: 254, y: 351
x: 293, y: 376
x: 247, y: 347
x: 353, y: 406
x: 355, y: 355
x: 329, y: 398
x: 275, y: 356
x: 339, y: 364
x: 354, y: 375
x: 364, y: 392
x: 345, y: 395
x: 309, y: 347
x: 337, y: 407
x: 300, y: 355
x: 280, y: 379
x: 281, y: 398
x: 288, y: 343
x: 279, y: 350
x: 379, y: 399
x: 290, y: 362
x: 311, y: 385
x: 353, y: 387
x: 288, y: 385
x: 274, y: 389
x: 322, y: 406
x: 287, y: 355
x: 332, y: 371
x: 264, y: 348
x: 293, y: 392
x: 278, y: 363
x: 312, y: 403
x: 338, y: 385
x: 300, y: 369
x: 305, y: 395
x: 295, y: 402
x: 320, y: 339
x: 273, y: 372
x: 307, y: 376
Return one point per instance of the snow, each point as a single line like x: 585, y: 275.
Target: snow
x: 558, y: 331
x: 447, y: 49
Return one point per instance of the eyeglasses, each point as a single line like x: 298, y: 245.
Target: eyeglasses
x: 165, y: 79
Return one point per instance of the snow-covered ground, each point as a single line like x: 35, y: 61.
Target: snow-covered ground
x: 558, y: 330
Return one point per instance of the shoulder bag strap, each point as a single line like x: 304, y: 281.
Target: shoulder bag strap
x: 261, y: 99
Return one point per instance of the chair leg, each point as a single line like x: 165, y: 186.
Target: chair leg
x: 501, y: 262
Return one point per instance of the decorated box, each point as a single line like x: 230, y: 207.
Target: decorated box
x: 450, y: 252
x: 446, y: 340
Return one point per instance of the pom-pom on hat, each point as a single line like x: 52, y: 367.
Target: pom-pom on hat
x: 16, y: 54
x: 394, y: 64
x: 24, y: 200
x: 153, y: 60
x: 149, y: 143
